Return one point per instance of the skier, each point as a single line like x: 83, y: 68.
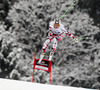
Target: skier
x: 56, y: 29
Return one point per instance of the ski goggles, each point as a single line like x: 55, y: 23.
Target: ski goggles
x: 56, y: 25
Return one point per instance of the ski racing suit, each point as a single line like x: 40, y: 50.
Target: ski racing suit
x: 55, y: 35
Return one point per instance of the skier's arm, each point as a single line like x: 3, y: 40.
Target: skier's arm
x: 69, y: 34
x: 49, y: 31
x: 72, y: 36
x: 50, y: 27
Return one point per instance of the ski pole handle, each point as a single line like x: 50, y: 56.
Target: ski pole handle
x: 76, y: 40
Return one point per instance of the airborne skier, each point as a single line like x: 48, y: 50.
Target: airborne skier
x: 56, y: 29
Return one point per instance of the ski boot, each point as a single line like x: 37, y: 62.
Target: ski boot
x: 51, y: 55
x: 41, y: 57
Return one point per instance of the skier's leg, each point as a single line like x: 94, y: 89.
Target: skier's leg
x: 43, y: 49
x: 53, y: 48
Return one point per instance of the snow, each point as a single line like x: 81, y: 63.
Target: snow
x: 6, y: 84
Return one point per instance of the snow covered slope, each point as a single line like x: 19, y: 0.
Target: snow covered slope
x: 6, y: 84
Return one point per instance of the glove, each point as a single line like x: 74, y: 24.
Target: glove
x: 76, y: 40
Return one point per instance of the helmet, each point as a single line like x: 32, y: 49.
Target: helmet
x: 56, y: 22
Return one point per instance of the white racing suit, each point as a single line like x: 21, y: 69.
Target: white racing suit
x: 55, y: 35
